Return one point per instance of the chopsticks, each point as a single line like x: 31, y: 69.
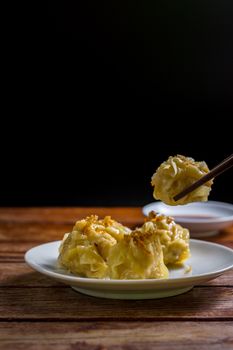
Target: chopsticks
x: 219, y: 169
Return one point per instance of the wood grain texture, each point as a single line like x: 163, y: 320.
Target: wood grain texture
x: 116, y: 336
x: 64, y: 303
x: 31, y: 232
x: 18, y: 274
x: 46, y: 224
x: 127, y: 215
x: 39, y: 313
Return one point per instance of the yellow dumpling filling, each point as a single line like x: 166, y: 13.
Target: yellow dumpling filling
x: 106, y: 249
x: 85, y: 250
x: 176, y: 174
x: 137, y: 256
x: 173, y: 238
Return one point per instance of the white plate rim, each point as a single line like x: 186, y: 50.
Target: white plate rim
x: 199, y: 220
x: 168, y: 281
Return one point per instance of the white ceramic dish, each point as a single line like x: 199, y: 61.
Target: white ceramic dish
x: 208, y: 261
x: 203, y: 219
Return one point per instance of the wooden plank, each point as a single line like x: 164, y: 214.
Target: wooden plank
x: 224, y: 280
x: 116, y: 335
x: 64, y: 303
x: 14, y: 252
x: 46, y: 224
x: 127, y: 215
x: 19, y: 274
x: 29, y: 296
x: 38, y: 233
x: 15, y: 248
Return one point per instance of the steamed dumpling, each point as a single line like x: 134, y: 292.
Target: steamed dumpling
x: 106, y: 249
x: 173, y: 238
x: 176, y: 174
x: 138, y: 256
x: 85, y: 250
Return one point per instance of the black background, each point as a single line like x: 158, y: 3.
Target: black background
x: 112, y: 89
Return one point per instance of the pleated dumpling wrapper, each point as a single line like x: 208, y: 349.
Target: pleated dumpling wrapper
x: 173, y: 238
x: 85, y: 250
x: 106, y: 249
x: 176, y: 174
x: 138, y: 256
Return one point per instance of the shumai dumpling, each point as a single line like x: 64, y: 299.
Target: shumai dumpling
x: 137, y: 256
x: 176, y: 174
x: 85, y: 250
x: 106, y: 249
x: 173, y: 238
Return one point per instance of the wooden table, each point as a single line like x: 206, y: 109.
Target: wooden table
x: 39, y: 313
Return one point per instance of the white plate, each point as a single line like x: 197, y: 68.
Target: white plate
x: 208, y: 261
x: 203, y: 219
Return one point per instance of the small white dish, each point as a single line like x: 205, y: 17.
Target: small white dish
x: 203, y: 219
x: 208, y: 261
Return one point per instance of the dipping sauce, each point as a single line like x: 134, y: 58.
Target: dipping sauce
x: 196, y: 217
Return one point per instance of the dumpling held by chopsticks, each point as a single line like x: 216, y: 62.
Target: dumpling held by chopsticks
x: 176, y: 174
